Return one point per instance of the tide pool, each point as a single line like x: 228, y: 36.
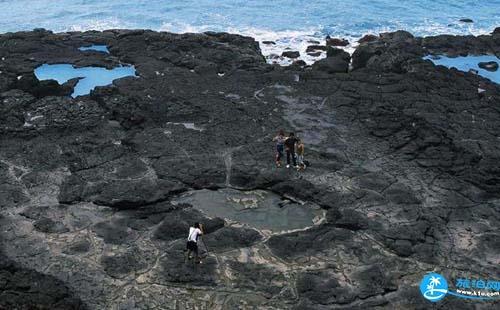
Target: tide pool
x: 90, y: 77
x: 260, y: 209
x: 97, y: 48
x: 465, y: 63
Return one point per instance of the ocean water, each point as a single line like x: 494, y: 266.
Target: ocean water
x: 291, y: 23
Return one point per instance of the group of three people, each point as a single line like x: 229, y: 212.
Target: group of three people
x: 293, y: 147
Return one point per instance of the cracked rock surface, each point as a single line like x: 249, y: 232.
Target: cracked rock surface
x: 404, y: 166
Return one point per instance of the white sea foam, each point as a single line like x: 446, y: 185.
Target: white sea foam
x: 292, y: 40
x: 283, y: 40
x: 99, y: 25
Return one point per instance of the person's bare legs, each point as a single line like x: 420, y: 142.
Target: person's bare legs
x: 187, y: 254
x: 197, y: 258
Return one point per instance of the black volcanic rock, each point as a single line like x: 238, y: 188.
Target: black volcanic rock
x: 291, y: 54
x: 175, y: 224
x: 336, y: 41
x: 466, y: 20
x: 22, y: 288
x: 299, y: 63
x: 337, y: 61
x: 47, y: 225
x: 381, y: 54
x: 368, y: 38
x: 228, y: 237
x: 81, y: 246
x: 313, y: 48
x: 490, y: 65
x: 314, y: 54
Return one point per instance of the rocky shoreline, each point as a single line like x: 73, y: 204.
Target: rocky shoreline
x: 405, y: 162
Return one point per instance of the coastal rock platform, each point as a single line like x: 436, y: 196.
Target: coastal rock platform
x: 404, y: 162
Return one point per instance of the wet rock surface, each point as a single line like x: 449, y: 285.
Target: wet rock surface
x: 489, y: 65
x: 336, y: 41
x: 291, y: 54
x: 404, y: 161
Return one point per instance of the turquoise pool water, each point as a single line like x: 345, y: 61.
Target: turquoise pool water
x: 97, y: 48
x: 465, y: 63
x: 90, y: 77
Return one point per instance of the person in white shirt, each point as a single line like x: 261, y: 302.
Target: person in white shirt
x: 192, y: 241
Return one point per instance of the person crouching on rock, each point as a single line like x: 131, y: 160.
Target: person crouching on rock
x: 280, y: 146
x: 192, y: 241
x: 300, y: 155
x: 290, y: 150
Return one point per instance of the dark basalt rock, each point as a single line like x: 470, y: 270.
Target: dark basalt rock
x: 404, y: 163
x: 114, y: 232
x: 258, y: 277
x: 490, y: 65
x: 293, y: 245
x: 313, y: 48
x: 337, y: 61
x: 314, y: 54
x: 120, y: 265
x: 175, y: 224
x: 336, y: 42
x: 331, y: 65
x: 175, y: 270
x: 466, y: 20
x: 230, y: 238
x: 348, y: 219
x: 47, y: 225
x: 378, y: 54
x: 368, y: 38
x: 79, y: 247
x: 291, y: 54
x: 22, y: 288
x: 299, y: 63
x: 324, y: 288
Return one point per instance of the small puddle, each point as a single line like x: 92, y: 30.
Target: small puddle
x: 466, y: 63
x: 260, y: 209
x: 90, y: 77
x: 97, y: 48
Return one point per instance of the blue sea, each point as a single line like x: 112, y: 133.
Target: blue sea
x: 291, y: 24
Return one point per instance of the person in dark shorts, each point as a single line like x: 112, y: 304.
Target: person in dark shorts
x: 290, y: 150
x: 192, y: 242
x: 280, y: 146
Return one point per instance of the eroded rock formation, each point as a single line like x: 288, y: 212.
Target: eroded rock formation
x: 404, y: 159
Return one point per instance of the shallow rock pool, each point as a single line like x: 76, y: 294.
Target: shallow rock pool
x: 90, y: 77
x: 466, y: 63
x: 260, y: 209
x: 96, y: 48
